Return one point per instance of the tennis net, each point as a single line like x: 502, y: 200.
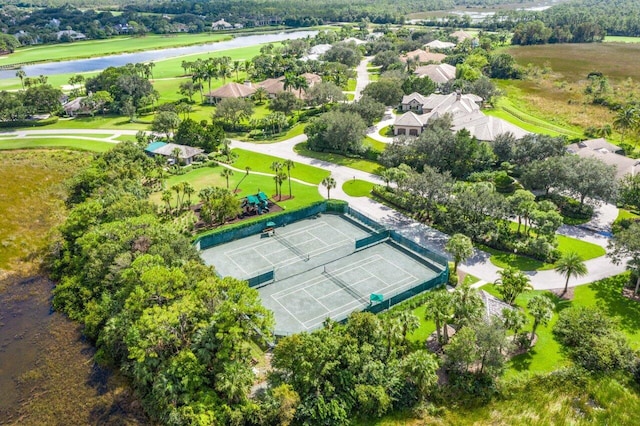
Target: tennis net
x: 345, y: 286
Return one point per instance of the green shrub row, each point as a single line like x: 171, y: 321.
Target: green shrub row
x: 28, y: 123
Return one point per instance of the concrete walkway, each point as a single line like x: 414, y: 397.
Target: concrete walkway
x: 362, y: 77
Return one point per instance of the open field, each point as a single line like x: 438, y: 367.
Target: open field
x: 357, y: 188
x: 618, y: 61
x: 548, y: 107
x: 621, y: 39
x: 31, y: 201
x: 92, y: 48
x: 70, y: 142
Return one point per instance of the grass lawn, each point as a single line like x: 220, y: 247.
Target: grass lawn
x: 386, y: 132
x: 626, y: 214
x: 376, y: 145
x: 91, y: 48
x: 76, y: 143
x: 355, y: 163
x: 621, y: 39
x: 262, y: 162
x: 357, y: 188
x: 351, y: 85
x: 99, y: 122
x: 566, y: 244
x: 210, y: 176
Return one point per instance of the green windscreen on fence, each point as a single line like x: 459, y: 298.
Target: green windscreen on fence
x: 261, y: 279
x: 371, y: 239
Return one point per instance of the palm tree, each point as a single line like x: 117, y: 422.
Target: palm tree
x: 329, y: 183
x: 21, y: 74
x: 289, y: 81
x: 571, y: 265
x: 260, y: 95
x: 289, y: 164
x: 541, y: 308
x: 166, y: 197
x: 224, y: 71
x: 409, y: 322
x: 626, y: 119
x: 226, y: 173
x: 187, y: 190
x: 281, y: 177
x: 393, y: 328
x: 234, y: 381
x: 276, y: 166
x: 176, y: 155
x: 300, y: 83
x: 150, y: 66
x: 237, y: 67
x: 226, y: 149
x: 177, y: 189
x: 247, y: 169
x: 439, y: 308
x: 210, y: 71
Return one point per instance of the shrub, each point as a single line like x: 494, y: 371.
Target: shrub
x: 28, y: 123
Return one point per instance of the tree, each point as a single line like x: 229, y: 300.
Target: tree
x: 514, y: 319
x: 570, y: 265
x: 329, y: 183
x: 420, y: 368
x: 324, y: 93
x: 43, y: 99
x: 460, y: 247
x: 630, y: 191
x: 541, y: 309
x: 511, y: 284
x: 226, y: 174
x: 461, y: 352
x: 280, y: 177
x: 129, y: 109
x: 234, y: 381
x: 625, y: 119
x: 439, y: 307
x: 21, y: 74
x: 369, y: 109
x: 521, y: 204
x: 260, y: 95
x: 337, y: 132
x: 467, y: 305
x: 284, y: 102
x: 165, y: 122
x: 232, y: 110
x: 247, y: 170
x: 289, y: 164
x: 590, y: 177
x: 386, y: 91
x: 188, y: 88
x: 625, y: 245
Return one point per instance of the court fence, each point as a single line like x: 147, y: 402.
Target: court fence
x: 372, y: 239
x: 260, y: 279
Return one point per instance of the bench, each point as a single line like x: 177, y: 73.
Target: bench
x: 269, y: 231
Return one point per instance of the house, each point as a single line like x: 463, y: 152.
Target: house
x: 71, y: 35
x: 221, y: 25
x: 357, y: 41
x: 230, y: 90
x: 316, y: 51
x: 276, y: 85
x: 607, y: 153
x: 186, y: 154
x: 422, y: 56
x: 464, y: 111
x: 493, y: 307
x: 439, y: 74
x: 437, y: 44
x: 75, y: 107
x: 461, y: 36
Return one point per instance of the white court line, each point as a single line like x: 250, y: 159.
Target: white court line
x: 240, y: 266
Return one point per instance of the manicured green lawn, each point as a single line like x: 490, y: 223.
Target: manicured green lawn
x: 626, y: 214
x: 376, y: 145
x: 386, y: 132
x: 357, y: 188
x: 351, y: 85
x: 91, y: 48
x: 262, y: 162
x: 566, y: 244
x: 621, y: 39
x: 210, y: 176
x: 99, y: 122
x: 355, y: 163
x: 55, y: 142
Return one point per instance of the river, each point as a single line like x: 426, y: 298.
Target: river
x: 102, y: 62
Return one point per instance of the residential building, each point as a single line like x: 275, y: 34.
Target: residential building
x: 185, y: 153
x: 230, y: 90
x: 607, y: 153
x: 439, y: 74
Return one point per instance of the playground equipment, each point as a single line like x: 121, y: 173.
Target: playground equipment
x: 258, y: 203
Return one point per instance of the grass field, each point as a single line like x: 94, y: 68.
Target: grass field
x: 575, y: 61
x: 252, y: 184
x: 92, y: 48
x: 621, y: 39
x: 357, y: 188
x: 355, y: 163
x: 262, y: 162
x: 31, y: 201
x: 566, y: 244
x: 69, y: 142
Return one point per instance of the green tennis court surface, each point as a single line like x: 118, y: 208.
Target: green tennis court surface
x: 318, y: 274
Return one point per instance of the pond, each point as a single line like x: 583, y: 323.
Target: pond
x: 102, y: 62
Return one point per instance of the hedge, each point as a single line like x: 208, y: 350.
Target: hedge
x: 28, y: 123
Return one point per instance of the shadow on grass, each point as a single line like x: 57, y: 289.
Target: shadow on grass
x: 610, y: 299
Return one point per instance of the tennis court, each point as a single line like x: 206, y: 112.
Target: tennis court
x: 303, y: 302
x: 318, y: 273
x: 293, y: 249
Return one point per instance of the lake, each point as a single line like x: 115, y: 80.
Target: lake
x: 102, y: 62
